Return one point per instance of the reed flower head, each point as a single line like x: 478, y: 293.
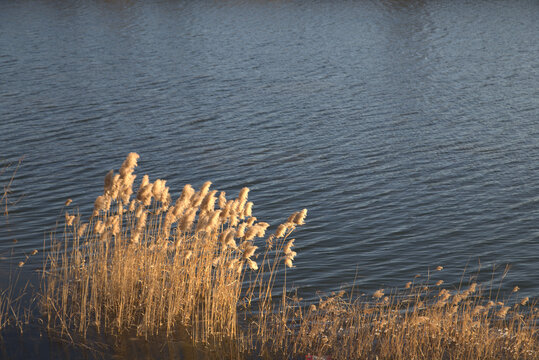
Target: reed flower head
x: 229, y: 241
x: 208, y: 203
x: 249, y: 251
x: 69, y: 219
x: 183, y: 201
x: 281, y: 231
x: 251, y: 221
x: 102, y: 203
x: 252, y: 232
x: 108, y: 182
x: 145, y: 194
x: 502, y: 312
x: 222, y: 200
x: 129, y: 164
x: 145, y: 181
x: 201, y: 194
x: 288, y: 262
x: 247, y: 210
x: 99, y: 227
x: 444, y: 295
x: 186, y: 222
x: 158, y: 188
x: 252, y: 264
x: 212, y: 222
x: 242, y: 199
x: 287, y: 248
x: 378, y: 294
x: 240, y: 232
x: 291, y: 255
x: 300, y: 218
x: 132, y: 205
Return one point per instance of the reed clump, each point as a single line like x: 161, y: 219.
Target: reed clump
x: 150, y: 263
x: 146, y: 262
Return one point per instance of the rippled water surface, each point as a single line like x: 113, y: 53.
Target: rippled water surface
x: 409, y: 129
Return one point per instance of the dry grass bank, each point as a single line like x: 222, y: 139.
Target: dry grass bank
x: 151, y: 263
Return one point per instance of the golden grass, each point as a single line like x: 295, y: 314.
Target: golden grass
x: 420, y: 322
x: 151, y: 265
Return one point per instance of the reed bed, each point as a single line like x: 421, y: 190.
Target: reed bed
x: 149, y: 263
x: 422, y: 320
x: 145, y: 263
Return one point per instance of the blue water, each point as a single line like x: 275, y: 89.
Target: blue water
x: 409, y: 129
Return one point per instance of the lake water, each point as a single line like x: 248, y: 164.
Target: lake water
x: 409, y: 129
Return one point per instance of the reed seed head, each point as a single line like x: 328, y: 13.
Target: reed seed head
x: 281, y: 231
x: 288, y: 246
x: 69, y: 219
x: 158, y: 188
x: 251, y: 221
x: 299, y: 219
x: 248, y: 210
x: 129, y: 164
x: 201, y: 194
x: 102, y: 203
x: 107, y: 187
x: 240, y: 232
x: 288, y: 262
x: 502, y: 312
x: 208, y: 203
x: 222, y: 200
x: 251, y: 233
x: 252, y: 264
x: 187, y: 219
x: 249, y: 251
x: 242, y: 199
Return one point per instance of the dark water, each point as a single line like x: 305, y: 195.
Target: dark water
x: 409, y: 129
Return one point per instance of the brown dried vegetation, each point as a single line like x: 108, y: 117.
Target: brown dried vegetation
x: 152, y: 264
